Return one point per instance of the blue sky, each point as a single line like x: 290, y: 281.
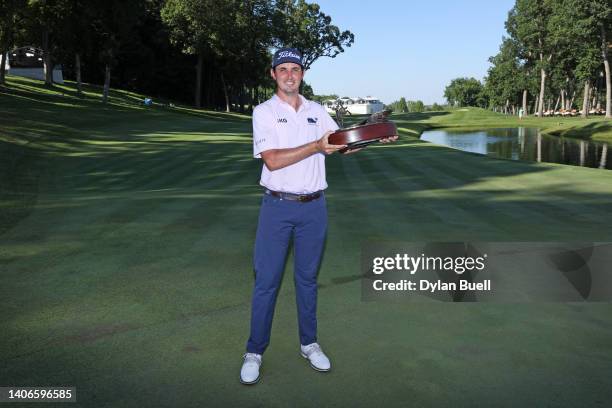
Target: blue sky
x: 409, y: 48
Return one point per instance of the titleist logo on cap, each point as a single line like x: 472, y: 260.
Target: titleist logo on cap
x: 288, y: 54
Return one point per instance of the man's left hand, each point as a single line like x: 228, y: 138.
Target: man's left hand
x: 389, y: 139
x: 385, y: 140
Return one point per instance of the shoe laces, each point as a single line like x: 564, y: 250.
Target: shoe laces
x: 313, y: 348
x: 252, y: 358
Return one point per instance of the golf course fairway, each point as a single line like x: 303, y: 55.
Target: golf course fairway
x: 126, y: 237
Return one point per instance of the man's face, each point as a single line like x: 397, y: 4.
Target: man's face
x: 288, y: 77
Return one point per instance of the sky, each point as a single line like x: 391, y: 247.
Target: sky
x: 409, y: 48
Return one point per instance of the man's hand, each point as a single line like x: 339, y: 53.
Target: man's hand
x: 385, y: 140
x: 389, y: 139
x: 351, y: 151
x: 323, y: 145
x: 279, y: 158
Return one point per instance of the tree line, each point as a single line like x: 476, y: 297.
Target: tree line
x: 555, y: 57
x: 404, y: 106
x: 214, y: 53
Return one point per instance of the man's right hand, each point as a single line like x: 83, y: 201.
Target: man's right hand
x: 323, y: 145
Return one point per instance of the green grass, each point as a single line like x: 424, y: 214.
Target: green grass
x: 125, y: 264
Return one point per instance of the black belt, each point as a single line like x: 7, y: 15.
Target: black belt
x: 304, y: 198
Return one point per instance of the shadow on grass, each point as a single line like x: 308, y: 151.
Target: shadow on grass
x: 586, y: 131
x: 211, y: 169
x: 122, y: 152
x: 30, y: 102
x: 20, y: 171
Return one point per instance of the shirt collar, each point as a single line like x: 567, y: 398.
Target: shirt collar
x: 303, y: 105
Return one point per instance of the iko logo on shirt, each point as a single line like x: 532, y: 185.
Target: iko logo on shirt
x: 312, y: 121
x: 281, y: 120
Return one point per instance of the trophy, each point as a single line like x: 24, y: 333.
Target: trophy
x: 370, y: 130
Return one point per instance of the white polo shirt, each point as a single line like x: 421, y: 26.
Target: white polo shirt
x: 276, y: 125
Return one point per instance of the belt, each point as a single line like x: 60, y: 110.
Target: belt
x: 304, y: 198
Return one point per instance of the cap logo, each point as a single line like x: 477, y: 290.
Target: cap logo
x: 288, y: 54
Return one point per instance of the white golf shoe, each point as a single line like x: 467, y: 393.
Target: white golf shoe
x: 249, y: 374
x: 318, y: 359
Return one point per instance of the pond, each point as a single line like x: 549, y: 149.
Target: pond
x: 525, y: 144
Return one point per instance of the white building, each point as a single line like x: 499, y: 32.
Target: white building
x: 27, y: 62
x: 356, y: 106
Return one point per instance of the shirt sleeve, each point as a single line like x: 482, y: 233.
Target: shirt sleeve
x: 264, y: 134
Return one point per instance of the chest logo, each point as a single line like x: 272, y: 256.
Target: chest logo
x: 281, y: 120
x: 312, y: 121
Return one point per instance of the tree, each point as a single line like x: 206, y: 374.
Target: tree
x: 74, y: 35
x: 307, y: 91
x: 304, y: 26
x: 402, y: 106
x: 47, y: 17
x: 167, y: 72
x: 528, y: 25
x: 595, y: 21
x: 560, y: 40
x: 114, y: 22
x: 190, y: 25
x: 197, y: 26
x: 416, y: 106
x: 464, y: 92
x: 565, y: 38
x: 243, y: 40
x: 323, y: 98
x: 11, y: 14
x: 505, y: 79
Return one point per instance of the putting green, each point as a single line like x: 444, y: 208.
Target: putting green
x: 125, y: 266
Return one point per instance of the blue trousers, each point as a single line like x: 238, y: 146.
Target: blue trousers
x: 279, y: 221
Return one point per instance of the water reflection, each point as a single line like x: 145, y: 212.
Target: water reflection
x: 524, y: 144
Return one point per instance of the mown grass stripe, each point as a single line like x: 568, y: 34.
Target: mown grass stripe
x: 554, y: 207
x: 425, y: 212
x: 502, y: 213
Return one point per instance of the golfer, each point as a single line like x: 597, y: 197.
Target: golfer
x: 290, y: 134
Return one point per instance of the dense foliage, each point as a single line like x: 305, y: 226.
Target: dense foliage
x: 554, y: 59
x: 216, y: 54
x: 464, y: 92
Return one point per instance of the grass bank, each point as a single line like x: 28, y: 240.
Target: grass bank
x: 127, y: 270
x: 594, y: 128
